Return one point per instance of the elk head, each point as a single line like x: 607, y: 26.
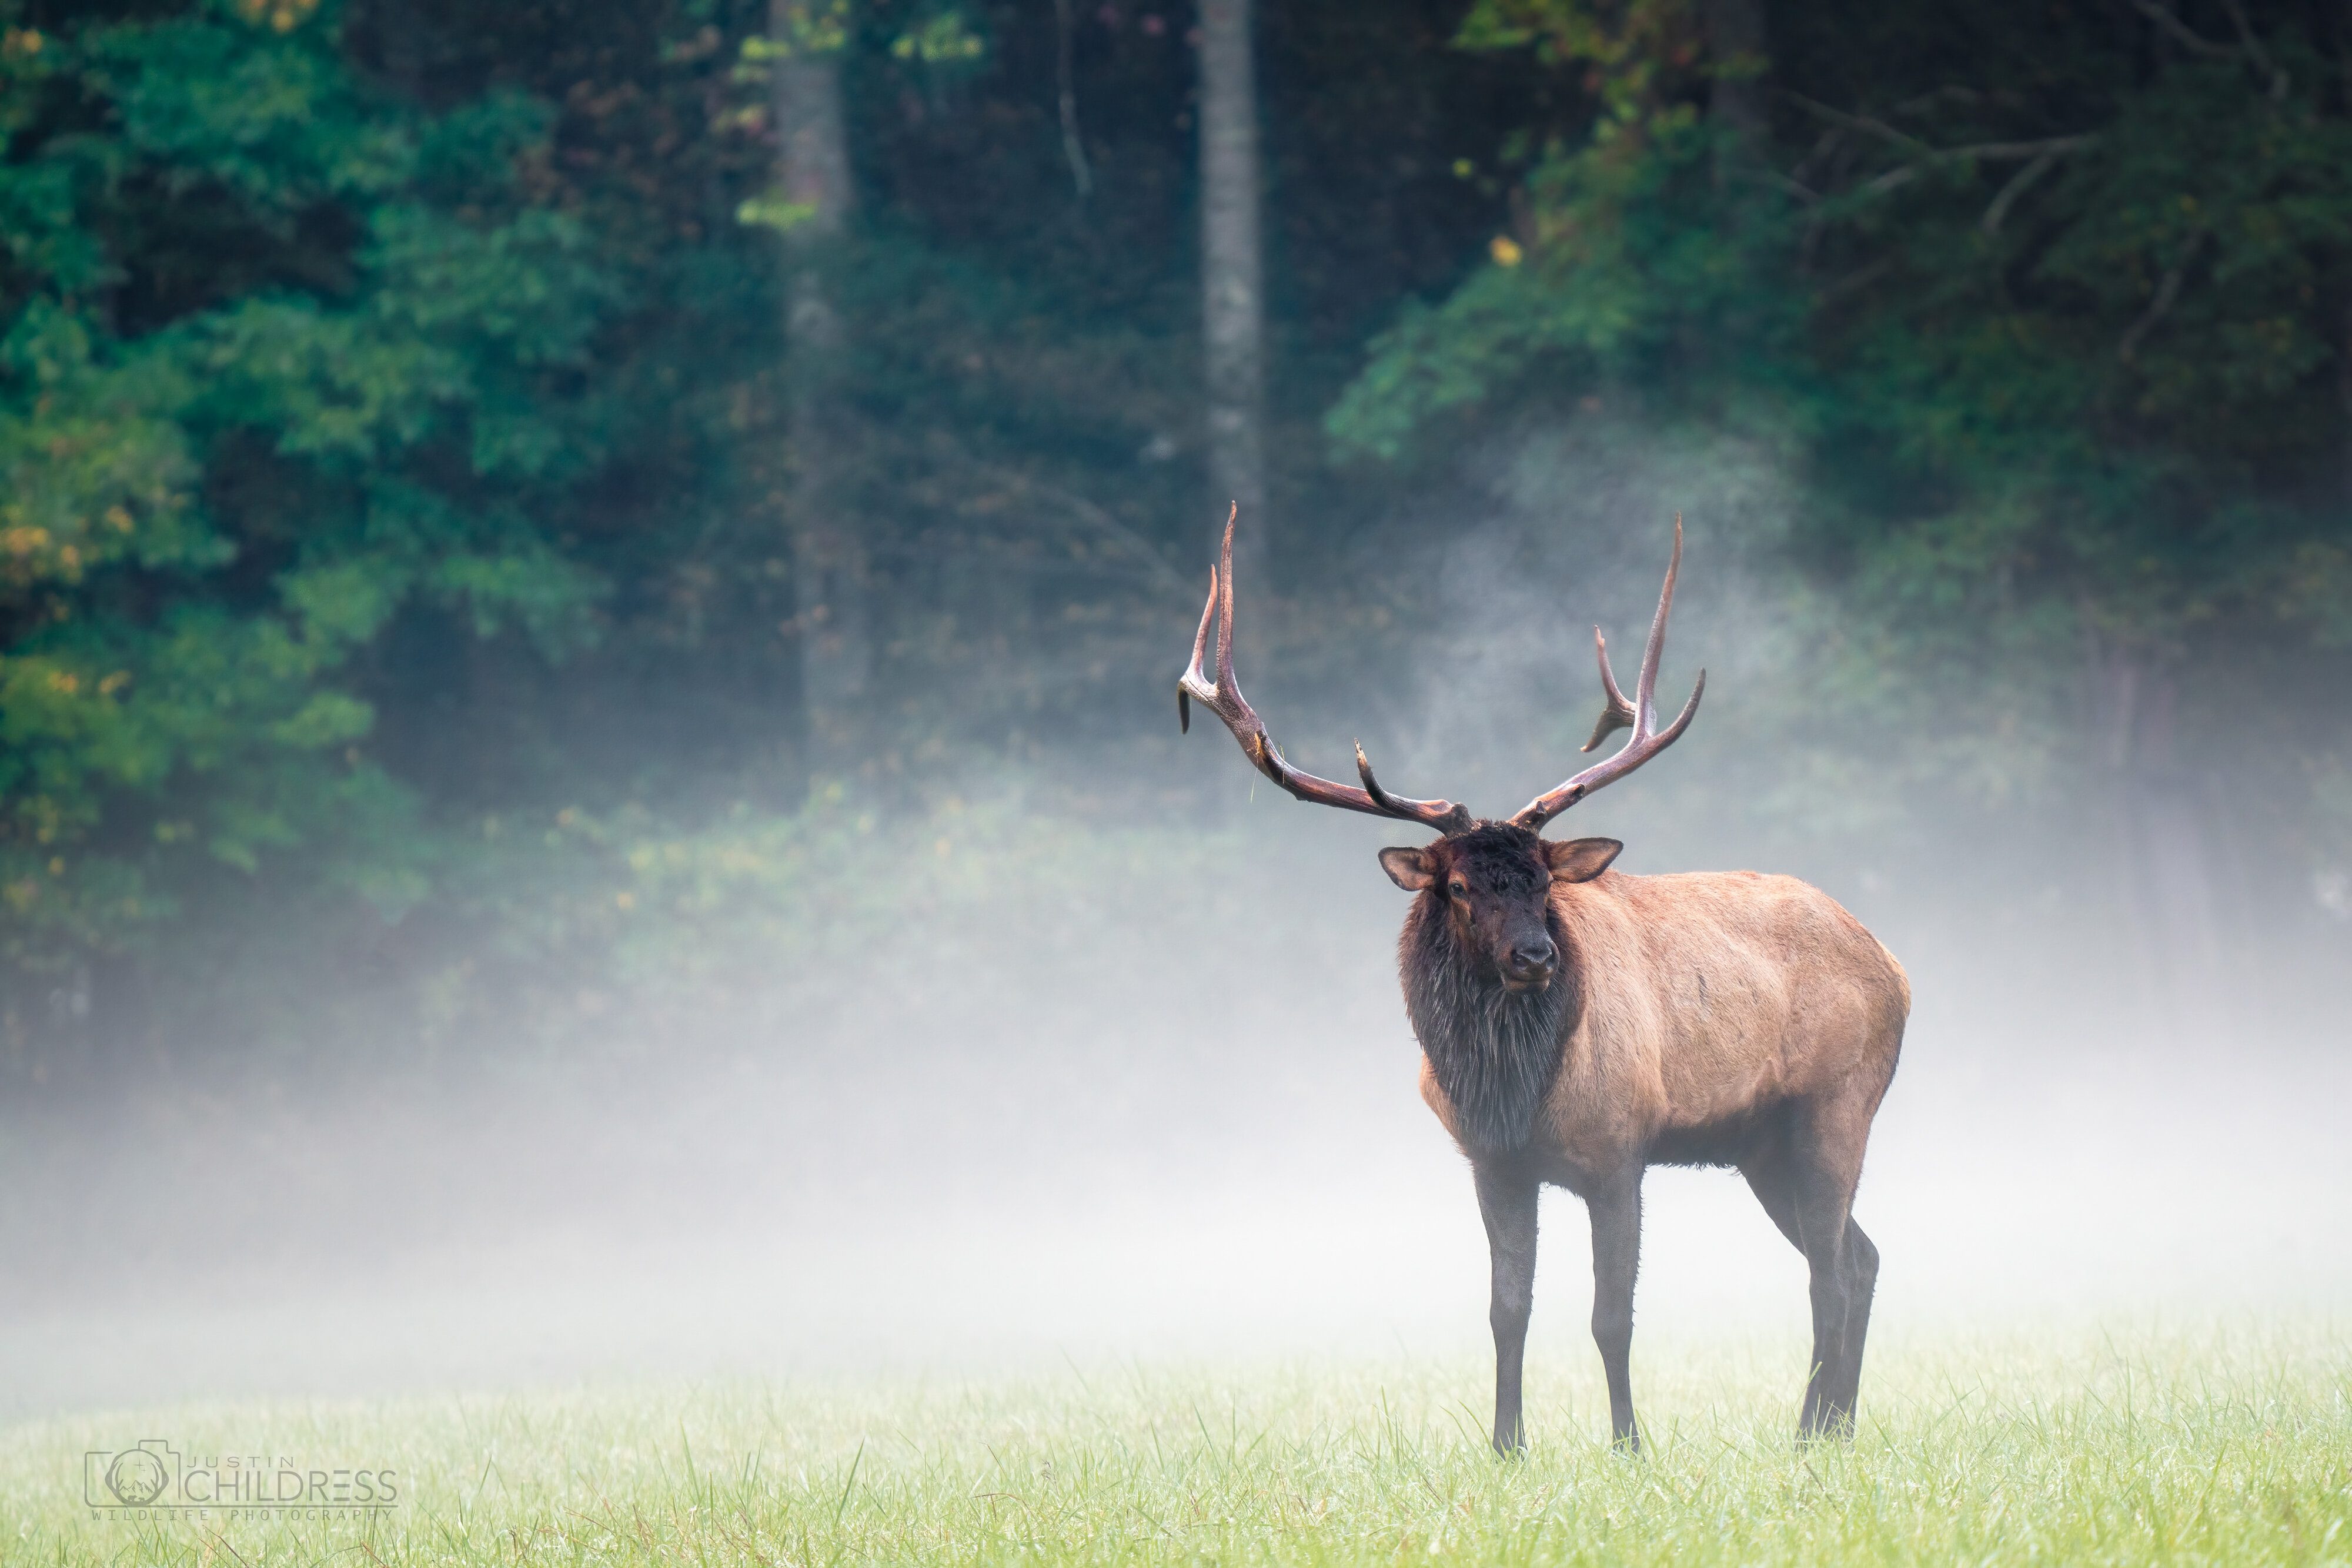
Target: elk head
x: 1494, y: 885
x: 1493, y: 879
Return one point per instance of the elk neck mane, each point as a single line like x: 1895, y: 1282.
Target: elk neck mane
x: 1493, y: 1051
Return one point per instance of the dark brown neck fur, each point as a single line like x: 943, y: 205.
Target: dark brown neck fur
x: 1494, y: 1053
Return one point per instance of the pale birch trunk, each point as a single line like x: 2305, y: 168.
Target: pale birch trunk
x: 2167, y: 873
x: 829, y: 560
x: 1231, y: 278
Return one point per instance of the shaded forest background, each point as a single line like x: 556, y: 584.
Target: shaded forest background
x: 412, y: 643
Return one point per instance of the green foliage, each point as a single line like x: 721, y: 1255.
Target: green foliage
x: 2062, y: 324
x: 802, y: 28
x: 1630, y: 56
x: 943, y: 41
x: 772, y: 211
x: 208, y: 514
x: 1621, y: 277
x: 396, y: 435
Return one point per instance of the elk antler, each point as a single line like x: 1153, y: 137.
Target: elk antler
x: 1640, y: 714
x: 1225, y: 698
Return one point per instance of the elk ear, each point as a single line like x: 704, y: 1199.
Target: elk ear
x: 1411, y: 869
x: 1579, y: 860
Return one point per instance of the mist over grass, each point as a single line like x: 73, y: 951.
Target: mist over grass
x: 1103, y: 1053
x: 1157, y: 1102
x: 2221, y: 1444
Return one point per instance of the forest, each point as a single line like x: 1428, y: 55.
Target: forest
x: 518, y: 517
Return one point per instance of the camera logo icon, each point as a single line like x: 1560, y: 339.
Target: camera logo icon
x: 131, y: 1477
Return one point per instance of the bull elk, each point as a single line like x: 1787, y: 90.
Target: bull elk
x: 1579, y: 1025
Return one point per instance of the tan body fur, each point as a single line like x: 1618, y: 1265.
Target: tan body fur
x: 1703, y: 998
x: 1714, y: 1019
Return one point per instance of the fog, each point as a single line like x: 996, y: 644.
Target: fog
x: 1181, y: 1119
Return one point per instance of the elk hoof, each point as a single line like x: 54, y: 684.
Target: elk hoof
x: 1835, y: 1428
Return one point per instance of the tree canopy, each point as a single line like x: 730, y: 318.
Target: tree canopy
x: 395, y: 441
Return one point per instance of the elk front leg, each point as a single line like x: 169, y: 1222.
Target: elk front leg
x: 1506, y: 1202
x: 1616, y: 1210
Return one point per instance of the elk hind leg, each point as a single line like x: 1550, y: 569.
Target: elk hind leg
x: 1810, y: 1198
x: 1862, y: 1284
x: 1830, y: 1150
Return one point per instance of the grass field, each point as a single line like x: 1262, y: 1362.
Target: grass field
x: 2230, y: 1444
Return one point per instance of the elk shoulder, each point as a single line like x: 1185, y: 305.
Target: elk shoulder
x: 1706, y: 1001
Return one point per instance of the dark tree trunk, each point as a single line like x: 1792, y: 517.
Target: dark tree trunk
x: 829, y: 558
x: 1736, y: 100
x: 2344, y: 392
x: 1231, y: 280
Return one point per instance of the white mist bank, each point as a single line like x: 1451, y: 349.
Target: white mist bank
x: 1188, y: 1124
x: 1277, y: 1189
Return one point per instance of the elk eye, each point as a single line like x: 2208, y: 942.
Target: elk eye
x: 1459, y: 889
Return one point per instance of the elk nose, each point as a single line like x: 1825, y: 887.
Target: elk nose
x: 1531, y: 960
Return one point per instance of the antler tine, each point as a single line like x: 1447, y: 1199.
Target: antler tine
x: 1619, y: 712
x: 1645, y: 688
x: 1443, y: 815
x: 1225, y: 602
x: 1642, y: 714
x: 1224, y: 697
x: 1191, y: 670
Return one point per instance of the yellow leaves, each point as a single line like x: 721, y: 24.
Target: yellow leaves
x: 774, y: 210
x: 277, y: 16
x: 63, y: 681
x: 796, y: 29
x: 1506, y: 251
x: 21, y: 43
x: 942, y: 41
x: 30, y: 549
x: 749, y: 120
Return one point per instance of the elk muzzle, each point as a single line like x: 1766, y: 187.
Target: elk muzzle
x: 1528, y: 964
